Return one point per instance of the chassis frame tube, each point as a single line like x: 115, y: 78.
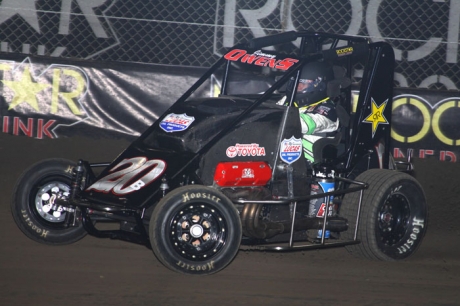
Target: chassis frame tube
x: 290, y: 246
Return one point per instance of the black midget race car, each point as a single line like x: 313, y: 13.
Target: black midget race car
x: 217, y: 174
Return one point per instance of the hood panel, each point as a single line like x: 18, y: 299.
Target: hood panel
x: 135, y: 176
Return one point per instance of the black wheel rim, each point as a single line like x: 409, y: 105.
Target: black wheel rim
x: 394, y: 219
x: 198, y: 231
x: 41, y: 198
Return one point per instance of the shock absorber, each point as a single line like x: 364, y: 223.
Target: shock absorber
x: 71, y: 215
x: 77, y: 178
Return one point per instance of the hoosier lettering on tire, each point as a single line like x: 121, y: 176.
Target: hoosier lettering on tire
x: 195, y: 230
x: 32, y: 205
x: 393, y: 218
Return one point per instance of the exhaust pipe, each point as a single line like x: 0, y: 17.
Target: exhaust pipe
x: 260, y: 229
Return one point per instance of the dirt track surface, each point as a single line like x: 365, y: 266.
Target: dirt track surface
x: 106, y: 272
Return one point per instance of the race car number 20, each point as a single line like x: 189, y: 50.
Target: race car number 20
x: 130, y: 175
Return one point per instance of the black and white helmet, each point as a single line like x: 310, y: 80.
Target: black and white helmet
x: 312, y: 83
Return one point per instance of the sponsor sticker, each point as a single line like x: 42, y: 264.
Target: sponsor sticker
x: 291, y: 150
x: 247, y: 173
x: 376, y: 117
x: 252, y: 149
x: 176, y: 122
x: 260, y: 58
x: 344, y: 51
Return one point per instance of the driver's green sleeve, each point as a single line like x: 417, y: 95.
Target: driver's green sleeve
x: 311, y: 124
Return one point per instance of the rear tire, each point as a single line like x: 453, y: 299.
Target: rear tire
x: 31, y: 208
x: 393, y: 216
x: 195, y: 230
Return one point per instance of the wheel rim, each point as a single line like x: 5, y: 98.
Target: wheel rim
x: 198, y: 231
x: 43, y: 201
x: 394, y: 217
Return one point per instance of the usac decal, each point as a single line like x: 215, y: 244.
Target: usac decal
x: 291, y: 149
x: 176, y: 122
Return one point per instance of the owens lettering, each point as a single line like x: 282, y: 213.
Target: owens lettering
x: 260, y: 59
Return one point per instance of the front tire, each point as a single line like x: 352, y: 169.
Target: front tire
x: 195, y: 230
x: 32, y: 207
x: 393, y: 216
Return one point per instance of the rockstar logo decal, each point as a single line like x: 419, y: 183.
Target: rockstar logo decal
x: 376, y: 117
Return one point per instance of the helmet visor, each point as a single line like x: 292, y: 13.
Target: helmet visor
x: 306, y: 85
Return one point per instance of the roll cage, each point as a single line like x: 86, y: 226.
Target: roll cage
x: 375, y: 88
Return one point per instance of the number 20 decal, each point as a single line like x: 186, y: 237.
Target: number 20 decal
x: 135, y: 173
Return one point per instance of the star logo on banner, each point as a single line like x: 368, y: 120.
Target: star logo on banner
x: 24, y: 8
x: 376, y: 117
x: 25, y: 90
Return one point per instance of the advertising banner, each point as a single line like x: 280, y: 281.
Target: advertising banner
x: 426, y: 123
x: 44, y: 97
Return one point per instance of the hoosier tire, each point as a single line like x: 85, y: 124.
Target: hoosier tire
x: 393, y: 216
x: 31, y: 205
x: 195, y: 230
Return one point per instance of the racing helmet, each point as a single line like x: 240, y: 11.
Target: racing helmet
x: 312, y: 85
